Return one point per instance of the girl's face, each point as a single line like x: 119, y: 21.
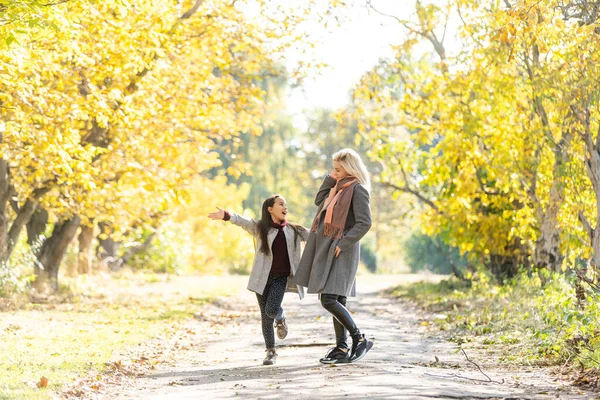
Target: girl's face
x: 279, y: 210
x: 339, y: 171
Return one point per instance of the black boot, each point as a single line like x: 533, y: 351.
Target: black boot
x: 336, y: 355
x: 360, y: 347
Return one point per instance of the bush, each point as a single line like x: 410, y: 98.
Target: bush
x: 13, y: 281
x: 423, y: 253
x: 368, y: 252
x: 164, y: 255
x: 16, y: 275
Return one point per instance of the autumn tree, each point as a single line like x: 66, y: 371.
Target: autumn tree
x: 491, y: 150
x: 108, y: 119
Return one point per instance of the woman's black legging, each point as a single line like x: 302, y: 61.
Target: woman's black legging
x: 270, y: 306
x: 342, y: 320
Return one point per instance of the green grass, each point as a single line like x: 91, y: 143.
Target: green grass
x: 529, y: 322
x: 67, y: 341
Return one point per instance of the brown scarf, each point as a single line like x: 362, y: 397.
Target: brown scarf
x: 337, y: 206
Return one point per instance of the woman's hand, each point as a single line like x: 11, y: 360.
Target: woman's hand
x: 337, y: 250
x: 217, y: 214
x: 333, y: 174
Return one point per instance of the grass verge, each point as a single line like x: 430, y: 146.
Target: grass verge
x: 69, y: 336
x: 520, y: 323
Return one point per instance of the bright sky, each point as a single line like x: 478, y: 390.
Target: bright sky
x: 350, y: 50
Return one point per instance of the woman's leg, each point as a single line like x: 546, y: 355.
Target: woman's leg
x: 341, y: 334
x: 332, y: 304
x: 360, y: 344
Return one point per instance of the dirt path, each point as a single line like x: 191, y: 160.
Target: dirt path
x: 219, y: 355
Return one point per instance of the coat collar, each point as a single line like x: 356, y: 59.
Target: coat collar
x: 287, y: 231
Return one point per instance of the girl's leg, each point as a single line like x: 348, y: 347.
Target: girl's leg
x: 267, y: 323
x: 275, y: 297
x: 273, y: 308
x: 341, y: 334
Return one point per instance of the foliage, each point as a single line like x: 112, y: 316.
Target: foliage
x: 164, y: 255
x: 13, y: 281
x: 426, y: 253
x: 539, y: 323
x: 105, y: 103
x: 488, y: 137
x: 15, y: 275
x: 368, y: 252
x: 213, y: 247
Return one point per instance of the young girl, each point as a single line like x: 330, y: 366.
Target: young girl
x: 330, y: 260
x: 278, y: 252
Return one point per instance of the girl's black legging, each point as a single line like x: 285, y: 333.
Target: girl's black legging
x: 342, y: 320
x: 270, y: 306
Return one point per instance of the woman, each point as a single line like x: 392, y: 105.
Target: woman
x: 330, y: 260
x: 277, y: 256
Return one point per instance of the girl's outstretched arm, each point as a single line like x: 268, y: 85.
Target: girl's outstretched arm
x: 249, y: 225
x: 217, y: 215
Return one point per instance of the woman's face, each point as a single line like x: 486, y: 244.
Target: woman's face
x: 279, y: 210
x: 338, y: 171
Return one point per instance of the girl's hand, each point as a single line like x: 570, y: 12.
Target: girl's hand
x: 337, y: 250
x: 217, y: 214
x: 333, y: 174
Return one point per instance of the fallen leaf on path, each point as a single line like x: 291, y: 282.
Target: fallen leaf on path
x: 43, y: 382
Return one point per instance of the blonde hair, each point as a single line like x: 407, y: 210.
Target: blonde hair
x: 354, y: 165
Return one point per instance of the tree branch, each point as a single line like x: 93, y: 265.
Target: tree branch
x: 414, y: 193
x: 402, y: 22
x: 192, y: 10
x: 586, y: 224
x: 138, y: 248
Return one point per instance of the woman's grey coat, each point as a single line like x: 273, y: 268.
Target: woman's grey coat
x: 319, y: 270
x: 262, y: 262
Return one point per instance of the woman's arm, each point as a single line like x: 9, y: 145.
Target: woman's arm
x: 362, y: 216
x: 323, y: 192
x: 249, y: 225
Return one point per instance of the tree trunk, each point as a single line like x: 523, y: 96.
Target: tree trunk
x: 5, y: 195
x: 85, y: 256
x: 547, y: 253
x: 52, y: 251
x: 592, y: 164
x: 110, y: 249
x: 133, y: 250
x: 36, y: 226
x: 503, y: 267
x: 23, y: 216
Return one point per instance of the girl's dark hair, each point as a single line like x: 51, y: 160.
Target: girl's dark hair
x: 265, y: 224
